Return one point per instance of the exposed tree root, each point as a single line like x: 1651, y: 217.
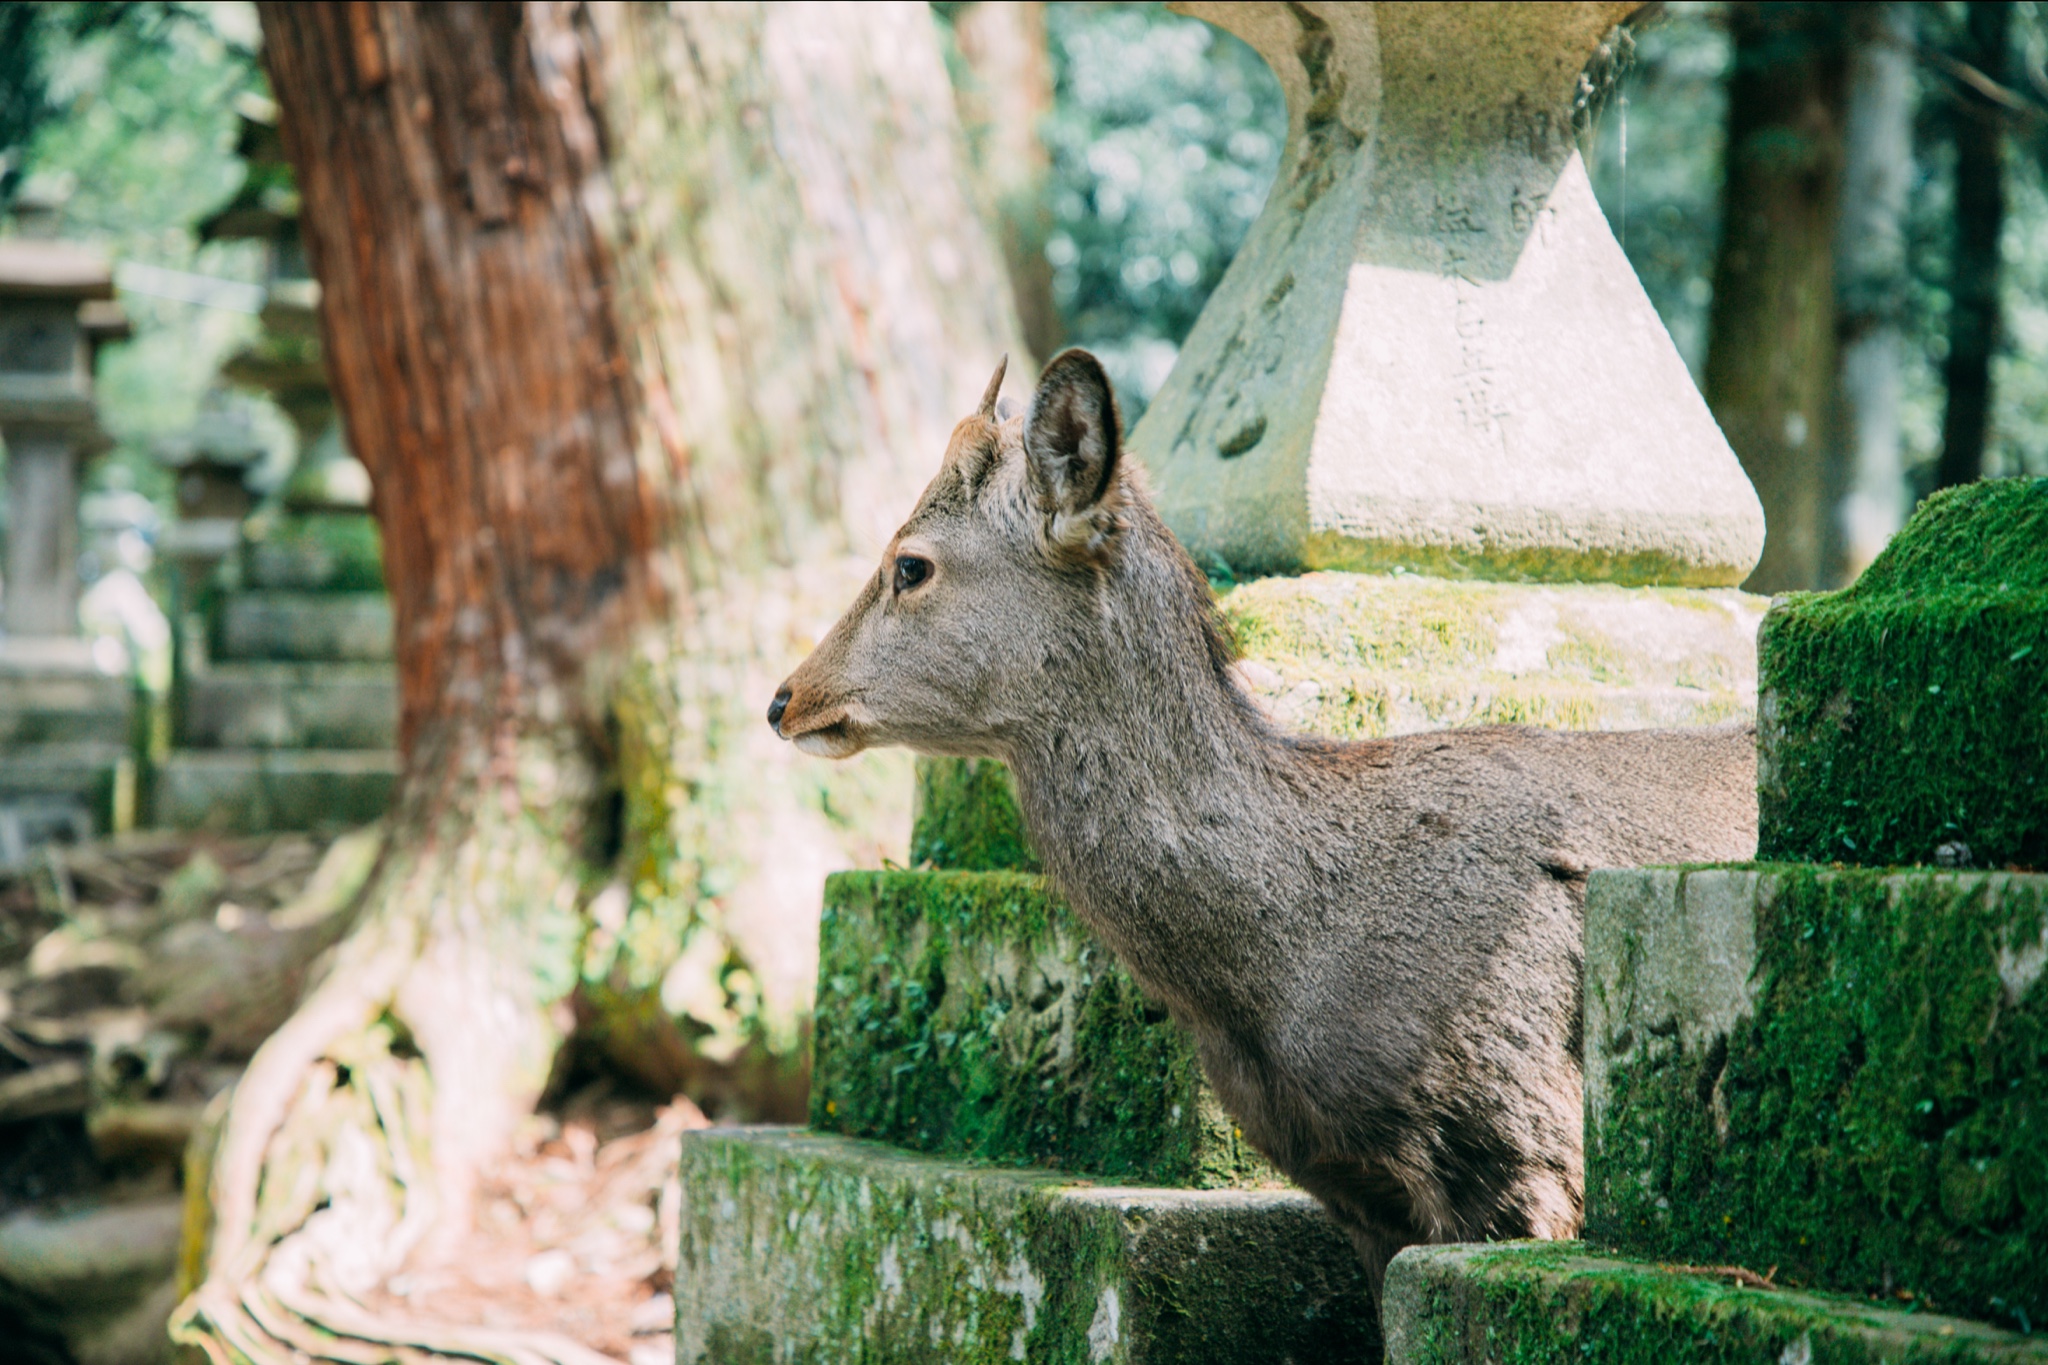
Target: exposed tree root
x: 357, y: 1143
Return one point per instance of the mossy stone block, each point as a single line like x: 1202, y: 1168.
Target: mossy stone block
x: 322, y: 552
x: 965, y: 818
x: 1910, y: 710
x: 1837, y: 1071
x: 1538, y: 1303
x: 969, y: 1013
x: 799, y: 1247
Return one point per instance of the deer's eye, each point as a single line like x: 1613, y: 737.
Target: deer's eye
x: 911, y: 571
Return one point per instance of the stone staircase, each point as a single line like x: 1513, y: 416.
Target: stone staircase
x: 287, y: 717
x: 1817, y: 1086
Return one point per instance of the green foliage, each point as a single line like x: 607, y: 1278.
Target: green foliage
x: 968, y: 1013
x: 1911, y: 710
x: 138, y: 122
x: 1164, y: 136
x: 1877, y: 1122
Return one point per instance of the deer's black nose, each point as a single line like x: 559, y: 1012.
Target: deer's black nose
x: 776, y: 708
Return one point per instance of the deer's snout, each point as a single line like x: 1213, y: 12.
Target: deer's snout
x: 776, y: 708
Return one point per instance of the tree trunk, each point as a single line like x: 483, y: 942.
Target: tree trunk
x: 1973, y: 317
x: 1008, y: 91
x: 1770, y: 370
x: 1870, y: 287
x: 648, y: 322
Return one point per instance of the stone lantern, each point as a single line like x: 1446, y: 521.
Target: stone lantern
x: 66, y: 766
x: 1430, y: 353
x: 47, y: 420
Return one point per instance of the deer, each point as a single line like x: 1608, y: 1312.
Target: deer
x: 1375, y: 944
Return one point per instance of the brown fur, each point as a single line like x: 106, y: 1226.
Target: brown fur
x: 1375, y: 945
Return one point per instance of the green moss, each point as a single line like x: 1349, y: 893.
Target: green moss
x: 969, y: 1014
x: 1505, y: 564
x: 966, y: 818
x: 1876, y: 1121
x: 1910, y: 710
x: 823, y: 1249
x: 1542, y: 1303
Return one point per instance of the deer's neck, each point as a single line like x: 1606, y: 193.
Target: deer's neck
x: 1167, y: 811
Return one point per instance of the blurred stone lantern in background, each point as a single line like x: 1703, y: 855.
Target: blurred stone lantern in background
x: 67, y: 766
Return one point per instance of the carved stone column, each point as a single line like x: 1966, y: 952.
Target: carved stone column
x: 1430, y: 353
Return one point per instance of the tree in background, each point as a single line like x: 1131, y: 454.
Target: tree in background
x: 648, y: 321
x: 1982, y: 107
x: 1865, y: 470
x: 1771, y: 349
x: 1005, y: 93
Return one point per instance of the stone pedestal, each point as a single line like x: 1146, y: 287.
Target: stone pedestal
x: 1430, y: 352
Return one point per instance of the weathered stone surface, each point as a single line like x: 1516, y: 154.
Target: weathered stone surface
x: 969, y: 1014
x: 247, y: 791
x: 804, y: 1248
x: 1354, y: 656
x: 291, y: 706
x: 1910, y: 710
x: 303, y: 626
x: 1430, y: 352
x: 1840, y: 1072
x: 1537, y: 1303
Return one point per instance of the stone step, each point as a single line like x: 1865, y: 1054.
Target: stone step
x: 291, y: 706
x: 1842, y: 1072
x: 970, y: 1014
x: 801, y: 1246
x: 249, y: 791
x: 316, y: 552
x: 65, y: 708
x: 39, y: 783
x: 1903, y: 719
x: 1559, y: 1302
x: 303, y: 626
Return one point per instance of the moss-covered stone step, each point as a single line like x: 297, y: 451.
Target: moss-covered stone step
x: 969, y: 1013
x: 1909, y: 711
x: 248, y: 791
x: 1838, y: 1071
x: 303, y: 626
x: 1558, y: 1303
x: 800, y: 1247
x: 291, y: 706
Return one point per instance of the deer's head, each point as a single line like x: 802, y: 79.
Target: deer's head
x: 991, y: 583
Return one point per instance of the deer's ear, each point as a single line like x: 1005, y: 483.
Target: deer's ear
x: 1071, y: 445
